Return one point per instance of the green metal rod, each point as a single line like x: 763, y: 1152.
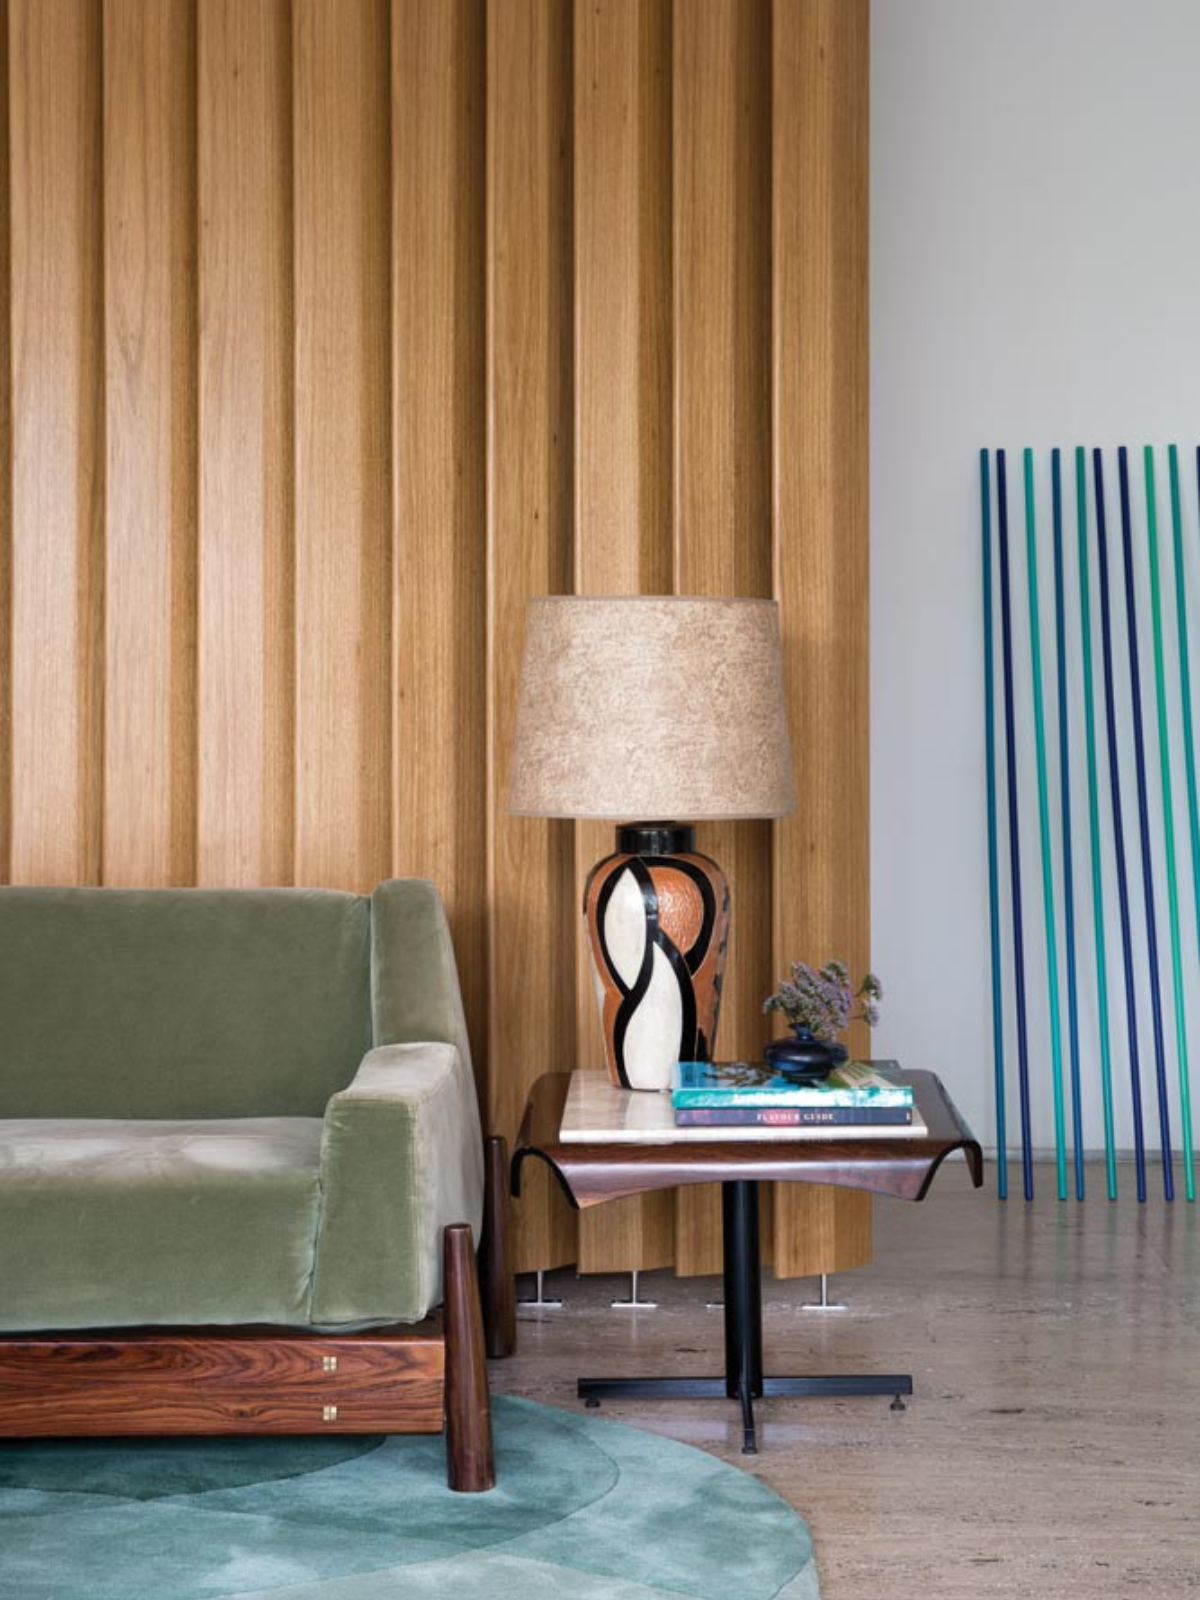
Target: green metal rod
x: 1164, y: 750
x: 1185, y: 1098
x: 1085, y: 628
x: 1039, y: 723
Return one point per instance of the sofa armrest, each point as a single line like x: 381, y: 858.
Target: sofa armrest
x: 401, y: 1157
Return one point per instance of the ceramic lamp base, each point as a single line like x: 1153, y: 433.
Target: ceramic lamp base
x: 658, y: 923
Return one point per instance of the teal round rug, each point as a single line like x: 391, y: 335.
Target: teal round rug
x: 583, y: 1510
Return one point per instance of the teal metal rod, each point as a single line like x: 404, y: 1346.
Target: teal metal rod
x: 1147, y: 855
x: 1039, y: 724
x: 1189, y: 755
x: 1168, y: 815
x: 1068, y: 868
x: 1089, y: 709
x: 985, y: 493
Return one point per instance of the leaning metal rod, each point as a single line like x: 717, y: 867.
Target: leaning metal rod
x: 1014, y: 824
x: 1114, y: 773
x: 1168, y: 818
x: 1085, y: 628
x: 1189, y: 754
x: 1139, y: 753
x: 1039, y: 728
x: 1064, y: 763
x: 1185, y: 674
x: 985, y: 491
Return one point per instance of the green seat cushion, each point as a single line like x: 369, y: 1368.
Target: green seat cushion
x: 181, y: 1002
x: 112, y: 1223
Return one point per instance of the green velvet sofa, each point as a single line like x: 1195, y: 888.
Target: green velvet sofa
x: 241, y: 1166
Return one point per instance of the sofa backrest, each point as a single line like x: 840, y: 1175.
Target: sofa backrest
x: 181, y: 1002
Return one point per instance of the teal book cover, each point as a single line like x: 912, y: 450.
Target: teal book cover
x: 700, y: 1084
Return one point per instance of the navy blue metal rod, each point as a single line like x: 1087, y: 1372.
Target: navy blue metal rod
x: 1064, y: 761
x: 1139, y: 751
x: 985, y: 493
x: 1114, y: 772
x: 1014, y: 824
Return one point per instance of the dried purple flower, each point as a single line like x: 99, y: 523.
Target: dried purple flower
x: 822, y: 1000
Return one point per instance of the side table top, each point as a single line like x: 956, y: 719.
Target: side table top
x: 590, y: 1173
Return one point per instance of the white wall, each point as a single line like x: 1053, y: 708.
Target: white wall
x: 1035, y: 280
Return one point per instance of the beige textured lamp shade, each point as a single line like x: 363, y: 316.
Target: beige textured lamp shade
x: 652, y: 707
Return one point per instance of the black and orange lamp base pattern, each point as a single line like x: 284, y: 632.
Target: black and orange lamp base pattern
x: 658, y: 922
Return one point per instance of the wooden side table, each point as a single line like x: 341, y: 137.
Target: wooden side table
x: 591, y: 1173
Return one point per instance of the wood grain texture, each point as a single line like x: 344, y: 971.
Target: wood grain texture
x: 531, y: 894
x: 623, y: 536
x: 497, y: 1284
x: 439, y: 473
x: 721, y: 74
x: 245, y: 783
x: 343, y: 443
x: 58, y: 441
x: 821, y: 895
x: 6, y: 461
x: 333, y: 330
x: 256, y: 1381
x: 150, y: 435
x: 470, y: 1464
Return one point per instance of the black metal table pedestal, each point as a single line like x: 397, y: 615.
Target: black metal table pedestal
x: 743, y: 1378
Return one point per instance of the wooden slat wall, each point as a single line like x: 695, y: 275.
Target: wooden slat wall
x: 529, y: 885
x: 623, y: 534
x: 245, y: 746
x: 820, y: 898
x: 439, y: 482
x: 57, y: 441
x: 331, y: 331
x: 6, y: 462
x: 150, y: 344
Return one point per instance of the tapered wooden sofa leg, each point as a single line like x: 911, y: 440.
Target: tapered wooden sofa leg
x: 470, y: 1467
x: 496, y: 1281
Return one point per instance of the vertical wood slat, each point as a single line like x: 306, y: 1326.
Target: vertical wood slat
x: 446, y: 380
x: 245, y: 427
x: 439, y: 472
x: 6, y: 459
x: 58, y: 441
x: 343, y: 443
x: 623, y: 539
x: 819, y: 357
x: 531, y: 896
x: 722, y: 442
x: 150, y: 433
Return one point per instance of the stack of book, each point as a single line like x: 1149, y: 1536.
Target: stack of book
x: 862, y: 1098
x: 741, y: 1100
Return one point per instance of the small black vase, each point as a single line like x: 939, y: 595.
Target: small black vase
x: 803, y: 1056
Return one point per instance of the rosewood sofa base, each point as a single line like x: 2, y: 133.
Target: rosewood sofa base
x: 427, y: 1378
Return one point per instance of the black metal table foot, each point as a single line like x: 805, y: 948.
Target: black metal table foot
x: 828, y: 1386
x: 592, y: 1390
x: 838, y: 1385
x: 749, y: 1437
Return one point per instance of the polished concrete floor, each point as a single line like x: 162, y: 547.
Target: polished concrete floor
x: 1052, y: 1447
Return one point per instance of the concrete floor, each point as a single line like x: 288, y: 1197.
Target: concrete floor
x: 1052, y: 1447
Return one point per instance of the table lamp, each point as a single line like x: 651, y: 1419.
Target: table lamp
x: 643, y: 708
